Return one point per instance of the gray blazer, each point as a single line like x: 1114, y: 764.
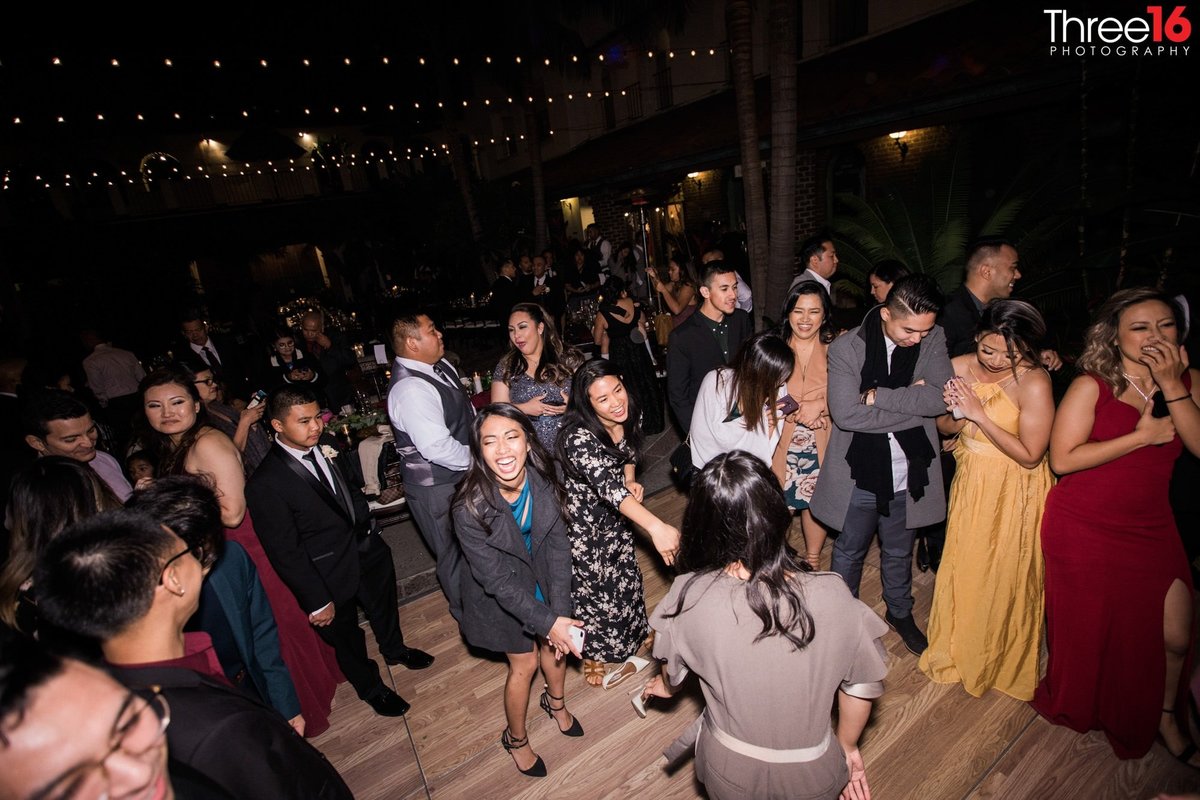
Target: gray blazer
x: 500, y: 612
x: 894, y: 410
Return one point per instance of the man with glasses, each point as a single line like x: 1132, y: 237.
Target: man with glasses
x: 234, y: 610
x: 126, y: 580
x: 67, y: 730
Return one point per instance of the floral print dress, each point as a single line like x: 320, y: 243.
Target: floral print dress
x: 607, y: 587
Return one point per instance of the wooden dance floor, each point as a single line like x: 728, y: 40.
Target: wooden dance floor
x: 924, y: 740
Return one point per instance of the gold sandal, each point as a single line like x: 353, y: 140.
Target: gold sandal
x: 593, y: 672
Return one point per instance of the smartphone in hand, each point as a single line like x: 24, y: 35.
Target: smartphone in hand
x: 577, y: 636
x: 788, y: 405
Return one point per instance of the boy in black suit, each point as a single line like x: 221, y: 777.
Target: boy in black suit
x: 318, y: 532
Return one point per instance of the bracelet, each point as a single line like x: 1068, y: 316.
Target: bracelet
x: 1181, y: 397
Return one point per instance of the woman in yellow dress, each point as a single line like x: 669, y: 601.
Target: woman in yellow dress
x: 986, y: 625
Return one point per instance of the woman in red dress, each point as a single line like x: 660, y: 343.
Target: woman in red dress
x: 186, y: 443
x: 1118, y: 587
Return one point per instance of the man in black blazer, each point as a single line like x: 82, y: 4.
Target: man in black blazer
x: 506, y: 293
x: 318, y: 533
x: 547, y: 291
x: 708, y: 339
x: 221, y: 353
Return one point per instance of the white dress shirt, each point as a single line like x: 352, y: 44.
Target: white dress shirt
x: 899, y: 460
x: 198, y: 349
x: 301, y: 456
x: 112, y: 372
x: 809, y: 275
x: 415, y: 408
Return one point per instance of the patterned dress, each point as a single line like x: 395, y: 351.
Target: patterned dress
x: 797, y: 460
x: 522, y: 389
x: 802, y: 468
x: 607, y: 591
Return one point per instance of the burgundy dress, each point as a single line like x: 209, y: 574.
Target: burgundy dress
x: 1112, y: 552
x: 310, y: 661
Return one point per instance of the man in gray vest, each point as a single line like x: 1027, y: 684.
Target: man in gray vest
x: 431, y: 415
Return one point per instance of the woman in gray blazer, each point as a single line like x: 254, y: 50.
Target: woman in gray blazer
x: 517, y: 589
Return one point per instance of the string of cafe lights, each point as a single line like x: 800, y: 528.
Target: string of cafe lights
x: 207, y: 173
x: 616, y: 54
x: 418, y: 105
x: 348, y: 109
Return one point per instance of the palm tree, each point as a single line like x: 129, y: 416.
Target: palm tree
x: 928, y: 229
x: 781, y: 24
x: 738, y: 16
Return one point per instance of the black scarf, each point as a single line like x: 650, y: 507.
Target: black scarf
x: 869, y: 455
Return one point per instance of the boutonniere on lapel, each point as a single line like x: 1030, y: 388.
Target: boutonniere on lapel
x: 329, y: 452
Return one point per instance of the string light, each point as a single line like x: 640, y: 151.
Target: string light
x: 167, y: 62
x: 116, y: 63
x: 217, y: 64
x: 306, y: 62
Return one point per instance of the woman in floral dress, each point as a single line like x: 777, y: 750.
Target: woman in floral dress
x: 599, y: 447
x: 807, y: 329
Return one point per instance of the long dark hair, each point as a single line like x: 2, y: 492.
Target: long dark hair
x: 762, y: 365
x: 558, y: 361
x: 478, y: 487
x: 580, y: 414
x: 826, y: 334
x: 52, y: 493
x: 736, y: 512
x: 1019, y: 323
x: 170, y: 457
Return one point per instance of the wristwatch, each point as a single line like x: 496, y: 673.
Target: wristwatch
x: 867, y: 398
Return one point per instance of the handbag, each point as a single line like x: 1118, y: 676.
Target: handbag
x: 682, y: 469
x: 663, y: 325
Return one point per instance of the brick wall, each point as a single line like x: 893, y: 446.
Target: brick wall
x: 609, y: 213
x: 810, y: 195
x: 704, y: 200
x: 885, y: 168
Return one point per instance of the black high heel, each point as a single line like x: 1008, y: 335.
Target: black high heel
x: 575, y: 730
x: 538, y: 770
x: 1189, y: 750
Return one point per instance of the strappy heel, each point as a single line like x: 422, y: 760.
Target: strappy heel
x: 1189, y: 749
x: 575, y: 730
x: 538, y: 770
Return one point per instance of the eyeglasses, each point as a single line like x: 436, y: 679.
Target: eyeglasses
x: 197, y: 552
x: 205, y: 382
x: 138, y: 732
